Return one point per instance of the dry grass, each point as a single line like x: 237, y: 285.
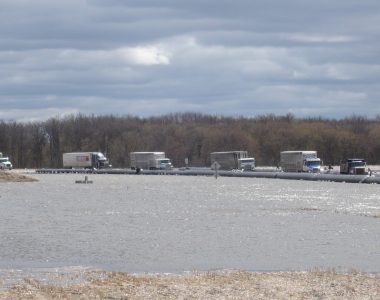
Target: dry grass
x: 209, y: 285
x: 10, y: 176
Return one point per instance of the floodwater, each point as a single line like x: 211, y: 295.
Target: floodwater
x: 180, y: 223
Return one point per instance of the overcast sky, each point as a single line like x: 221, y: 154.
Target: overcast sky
x: 225, y: 57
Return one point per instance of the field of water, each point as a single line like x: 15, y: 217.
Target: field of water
x: 180, y: 223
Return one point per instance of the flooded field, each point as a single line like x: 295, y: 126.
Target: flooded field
x: 179, y: 223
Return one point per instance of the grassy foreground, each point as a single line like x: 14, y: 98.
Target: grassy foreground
x: 12, y: 176
x: 209, y: 285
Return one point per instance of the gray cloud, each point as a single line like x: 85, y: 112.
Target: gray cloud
x: 147, y: 58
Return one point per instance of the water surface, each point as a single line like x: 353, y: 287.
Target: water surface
x: 180, y: 223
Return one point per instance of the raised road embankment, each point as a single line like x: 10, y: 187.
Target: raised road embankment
x: 206, y: 172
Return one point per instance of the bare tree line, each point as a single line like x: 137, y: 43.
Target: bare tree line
x: 191, y: 135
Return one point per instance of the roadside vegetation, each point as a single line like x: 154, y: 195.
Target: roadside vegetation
x: 10, y: 176
x: 209, y: 285
x: 191, y: 135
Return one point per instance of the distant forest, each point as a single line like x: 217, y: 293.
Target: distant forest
x: 191, y: 135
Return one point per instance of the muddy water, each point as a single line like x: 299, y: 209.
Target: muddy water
x: 179, y: 223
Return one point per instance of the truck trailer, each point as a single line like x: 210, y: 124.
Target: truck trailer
x: 354, y: 166
x: 300, y: 161
x: 90, y: 160
x: 150, y: 161
x: 233, y: 160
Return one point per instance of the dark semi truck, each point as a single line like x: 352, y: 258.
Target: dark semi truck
x: 354, y: 166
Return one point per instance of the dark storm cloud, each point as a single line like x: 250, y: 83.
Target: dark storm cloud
x: 152, y: 57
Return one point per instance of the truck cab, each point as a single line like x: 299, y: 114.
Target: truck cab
x: 163, y: 164
x: 246, y: 164
x: 312, y: 165
x: 353, y: 166
x: 5, y: 163
x: 100, y: 161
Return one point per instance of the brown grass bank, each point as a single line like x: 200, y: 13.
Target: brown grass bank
x: 209, y: 285
x: 13, y: 176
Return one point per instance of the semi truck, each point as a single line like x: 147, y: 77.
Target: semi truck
x: 87, y: 160
x: 354, y: 166
x: 5, y: 163
x: 232, y: 160
x: 300, y: 161
x: 150, y: 161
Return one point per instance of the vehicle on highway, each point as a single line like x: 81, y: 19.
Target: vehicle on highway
x: 5, y: 163
x: 300, y: 161
x: 233, y: 160
x: 150, y: 161
x: 353, y: 166
x: 87, y: 160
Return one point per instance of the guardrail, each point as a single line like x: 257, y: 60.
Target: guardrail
x: 207, y: 172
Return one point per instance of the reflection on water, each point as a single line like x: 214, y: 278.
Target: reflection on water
x: 178, y: 223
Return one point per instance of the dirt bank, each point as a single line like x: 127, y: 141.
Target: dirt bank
x: 13, y: 176
x: 210, y: 285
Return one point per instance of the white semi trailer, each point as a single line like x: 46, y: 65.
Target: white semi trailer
x: 150, y: 161
x: 300, y: 161
x: 230, y: 160
x: 85, y: 160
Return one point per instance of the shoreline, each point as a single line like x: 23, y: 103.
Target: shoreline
x: 234, y: 284
x: 14, y: 176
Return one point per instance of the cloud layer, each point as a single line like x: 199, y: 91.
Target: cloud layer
x: 147, y: 57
